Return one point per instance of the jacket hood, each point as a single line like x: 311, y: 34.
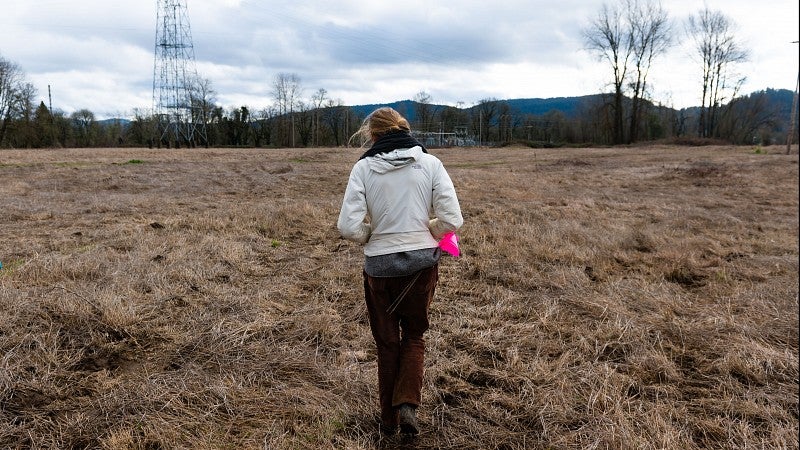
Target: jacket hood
x: 396, y: 159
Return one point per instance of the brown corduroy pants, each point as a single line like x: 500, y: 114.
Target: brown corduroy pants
x: 398, y: 337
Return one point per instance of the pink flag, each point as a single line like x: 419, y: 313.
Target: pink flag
x: 449, y: 244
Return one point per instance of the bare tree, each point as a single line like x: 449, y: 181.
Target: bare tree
x: 611, y: 38
x: 11, y: 82
x: 143, y: 127
x: 304, y: 122
x: 317, y: 100
x: 455, y: 119
x: 335, y: 116
x: 651, y: 37
x: 84, y: 124
x: 263, y: 126
x: 286, y: 90
x: 424, y: 110
x: 204, y: 99
x: 24, y: 108
x: 715, y: 43
x: 486, y: 112
x: 745, y: 117
x: 505, y: 123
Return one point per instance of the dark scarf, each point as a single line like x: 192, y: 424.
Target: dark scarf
x: 392, y: 141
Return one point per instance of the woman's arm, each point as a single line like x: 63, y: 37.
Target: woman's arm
x: 446, y: 210
x: 354, y: 211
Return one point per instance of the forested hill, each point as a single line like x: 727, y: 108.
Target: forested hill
x: 762, y: 116
x: 569, y: 106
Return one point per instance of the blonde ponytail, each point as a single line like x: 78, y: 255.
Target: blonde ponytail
x: 379, y: 122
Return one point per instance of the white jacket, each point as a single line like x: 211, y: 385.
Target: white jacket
x: 390, y: 199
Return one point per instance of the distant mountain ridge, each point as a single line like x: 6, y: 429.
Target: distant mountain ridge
x: 569, y: 106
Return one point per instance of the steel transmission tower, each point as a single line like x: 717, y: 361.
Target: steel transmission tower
x: 175, y: 79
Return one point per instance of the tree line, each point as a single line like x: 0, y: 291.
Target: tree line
x: 628, y: 36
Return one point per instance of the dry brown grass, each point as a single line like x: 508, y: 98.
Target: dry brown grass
x: 607, y: 298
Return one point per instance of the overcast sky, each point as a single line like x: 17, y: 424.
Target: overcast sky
x: 98, y: 54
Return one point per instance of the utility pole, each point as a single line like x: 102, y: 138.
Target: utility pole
x: 480, y: 128
x: 794, y: 112
x: 52, y: 117
x: 175, y: 105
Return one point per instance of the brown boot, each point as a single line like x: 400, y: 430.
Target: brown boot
x: 408, y: 419
x: 388, y: 430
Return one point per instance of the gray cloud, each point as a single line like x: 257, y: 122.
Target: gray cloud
x: 100, y: 54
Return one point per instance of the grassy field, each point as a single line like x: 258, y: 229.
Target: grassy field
x: 624, y: 298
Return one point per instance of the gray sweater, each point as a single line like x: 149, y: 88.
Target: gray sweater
x: 402, y: 263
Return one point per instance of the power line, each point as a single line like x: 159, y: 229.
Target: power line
x: 793, y: 114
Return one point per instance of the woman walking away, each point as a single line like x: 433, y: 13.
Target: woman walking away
x: 399, y: 201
